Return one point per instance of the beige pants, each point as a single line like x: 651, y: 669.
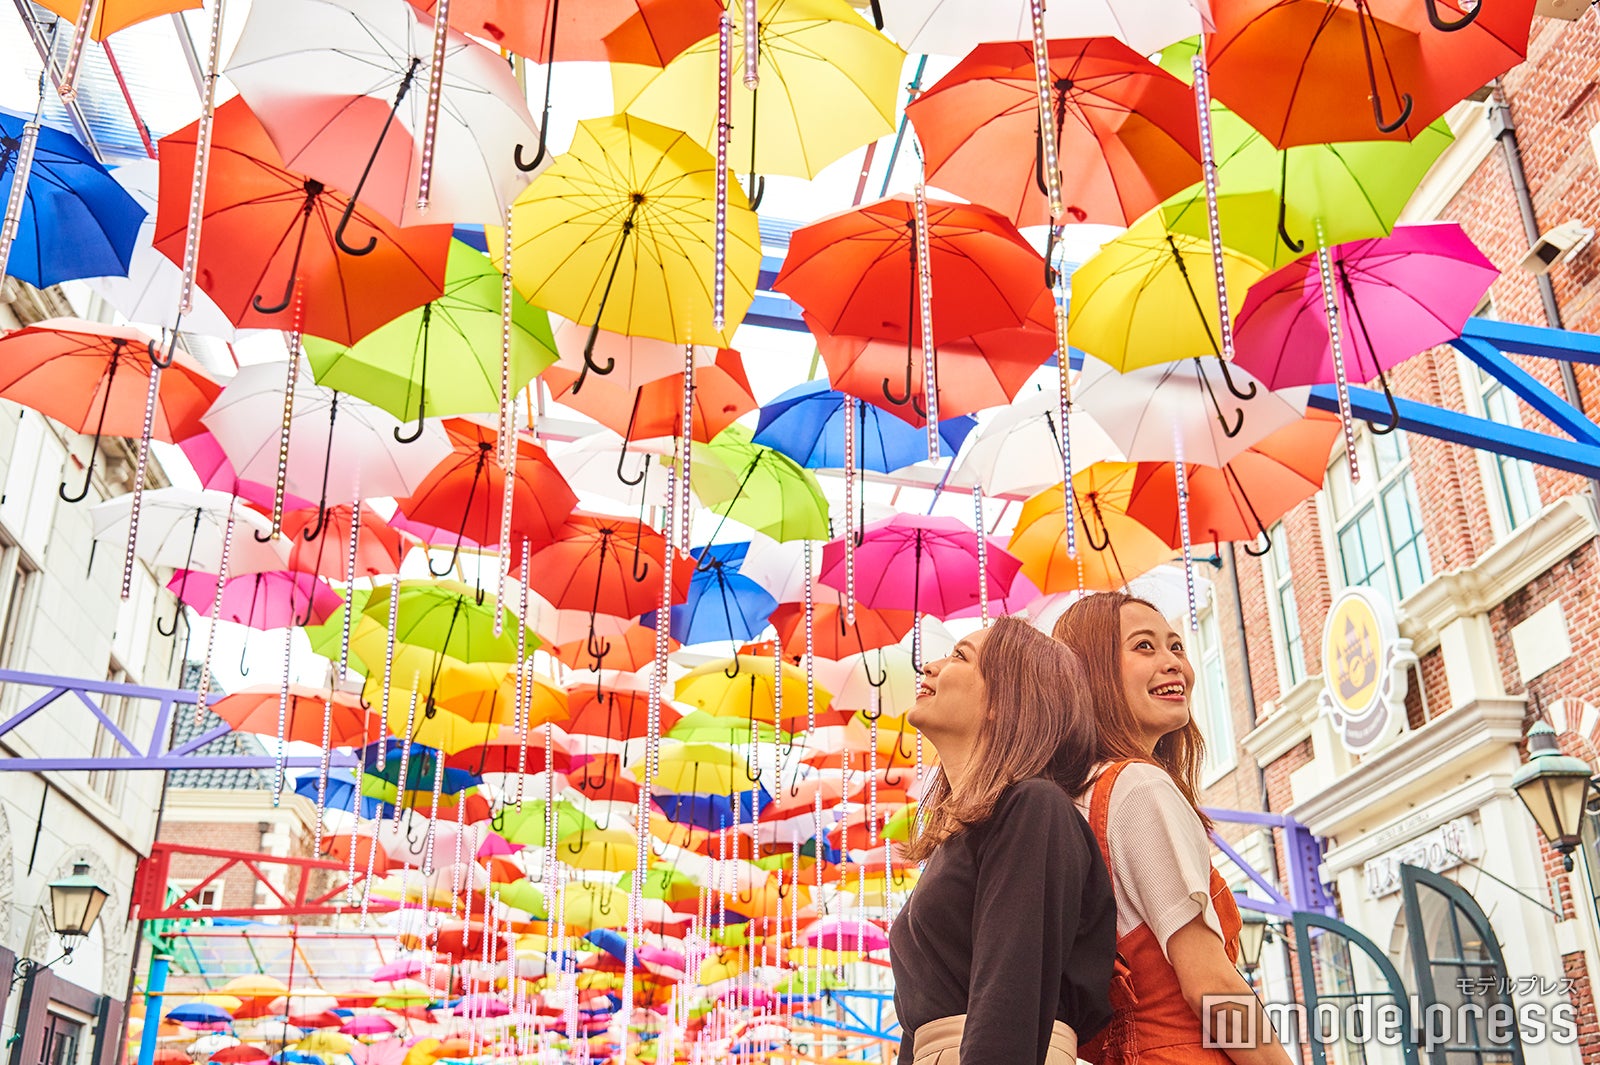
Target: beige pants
x: 939, y: 1043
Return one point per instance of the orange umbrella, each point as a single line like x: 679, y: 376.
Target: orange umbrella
x: 721, y: 395
x: 647, y: 32
x: 633, y: 650
x: 1113, y: 548
x: 113, y: 16
x: 336, y: 845
x: 606, y: 565
x: 831, y: 636
x: 256, y: 710
x: 617, y: 715
x: 1241, y: 500
x: 379, y: 547
x: 1293, y: 69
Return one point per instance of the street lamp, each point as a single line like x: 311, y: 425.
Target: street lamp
x: 1555, y: 789
x: 1252, y: 934
x: 75, y: 904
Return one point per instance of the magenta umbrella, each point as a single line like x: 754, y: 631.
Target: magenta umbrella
x: 921, y: 563
x: 1396, y: 296
x: 843, y: 933
x: 216, y: 472
x: 389, y: 972
x: 276, y: 600
x: 367, y: 1024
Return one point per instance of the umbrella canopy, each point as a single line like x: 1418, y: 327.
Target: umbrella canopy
x: 619, y: 233
x: 723, y: 604
x: 76, y: 221
x: 605, y: 566
x: 1112, y: 547
x: 806, y: 423
x: 952, y: 27
x: 649, y: 32
x: 759, y: 487
x: 324, y: 550
x: 256, y: 710
x: 449, y: 618
x: 721, y: 396
x: 828, y: 83
x: 1125, y: 130
x: 460, y: 332
x: 275, y: 600
x: 113, y: 16
x: 832, y: 636
x: 184, y: 529
x: 269, y: 258
x: 1019, y: 450
x: 924, y: 564
x: 329, y: 81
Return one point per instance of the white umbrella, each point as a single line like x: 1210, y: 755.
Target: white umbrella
x: 1184, y: 410
x: 889, y: 670
x: 779, y: 567
x: 1019, y: 451
x: 150, y: 291
x: 619, y: 471
x: 952, y: 27
x: 184, y: 529
x: 246, y: 420
x: 323, y: 77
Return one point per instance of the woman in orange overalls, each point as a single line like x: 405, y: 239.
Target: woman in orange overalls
x: 1177, y: 925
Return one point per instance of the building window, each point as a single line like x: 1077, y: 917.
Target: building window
x: 1377, y: 520
x: 33, y: 470
x: 1211, y: 706
x: 62, y: 1037
x: 119, y: 709
x: 1288, y: 647
x: 18, y: 581
x: 1513, y: 485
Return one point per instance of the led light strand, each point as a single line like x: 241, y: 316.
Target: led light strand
x: 431, y: 836
x: 811, y: 647
x: 1181, y: 475
x: 1064, y: 429
x: 1330, y: 307
x: 355, y: 813
x: 687, y: 428
x: 849, y: 513
x: 68, y: 86
x: 202, y: 163
x: 405, y: 751
x: 388, y: 660
x: 350, y: 561
x: 872, y: 771
x: 1208, y: 169
x: 524, y: 695
x: 372, y: 857
x: 719, y: 278
x: 455, y: 865
x: 19, y: 192
x: 1047, y: 117
x: 141, y: 466
x: 508, y: 434
x: 752, y: 47
x: 930, y: 371
x: 430, y: 121
x: 203, y: 688
x: 283, y: 714
x: 291, y: 381
x: 983, y: 556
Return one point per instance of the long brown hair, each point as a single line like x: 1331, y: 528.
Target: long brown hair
x: 1092, y: 628
x: 1041, y: 727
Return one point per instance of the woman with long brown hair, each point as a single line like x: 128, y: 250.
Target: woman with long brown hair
x: 1003, y: 954
x: 1177, y: 924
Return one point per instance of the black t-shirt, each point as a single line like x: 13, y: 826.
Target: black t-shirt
x: 1013, y: 924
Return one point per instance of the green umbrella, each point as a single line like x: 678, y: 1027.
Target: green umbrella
x: 326, y: 636
x: 459, y: 334
x: 450, y: 619
x: 701, y: 727
x: 523, y: 895
x: 759, y: 487
x: 1354, y: 190
x: 524, y: 824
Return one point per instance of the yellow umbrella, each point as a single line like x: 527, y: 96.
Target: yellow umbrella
x: 621, y: 231
x: 1150, y: 296
x: 827, y: 84
x: 1113, y: 548
x: 700, y: 769
x: 590, y: 905
x: 606, y: 850
x: 115, y: 15
x: 749, y: 693
x: 324, y: 1042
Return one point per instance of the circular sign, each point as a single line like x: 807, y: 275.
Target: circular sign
x: 1359, y: 645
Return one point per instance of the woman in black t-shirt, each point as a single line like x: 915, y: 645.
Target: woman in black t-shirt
x: 1003, y: 955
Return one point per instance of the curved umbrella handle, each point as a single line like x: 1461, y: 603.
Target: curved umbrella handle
x: 161, y: 627
x: 737, y: 666
x: 163, y: 362
x: 598, y: 649
x: 538, y: 157
x: 588, y: 354
x: 1436, y: 20
x: 1227, y: 379
x: 1296, y: 246
x: 414, y: 435
x: 1405, y: 113
x: 314, y: 530
x: 1394, y: 410
x: 1104, y: 541
x: 1256, y: 552
x: 244, y: 651
x: 344, y: 223
x: 1236, y: 427
x: 281, y: 305
x: 758, y: 186
x: 448, y: 566
x: 635, y: 481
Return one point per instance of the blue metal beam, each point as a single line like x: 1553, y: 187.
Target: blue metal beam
x: 1534, y: 392
x: 1536, y: 340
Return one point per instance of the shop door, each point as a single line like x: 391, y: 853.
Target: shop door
x: 1463, y: 991
x: 1356, y: 1006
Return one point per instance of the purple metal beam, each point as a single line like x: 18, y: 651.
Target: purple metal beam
x: 1304, y: 853
x: 135, y: 754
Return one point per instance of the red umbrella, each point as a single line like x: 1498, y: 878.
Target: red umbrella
x: 721, y: 395
x: 1126, y: 131
x: 256, y: 710
x: 504, y: 752
x: 96, y: 378
x: 975, y: 373
x: 606, y: 565
x: 612, y: 714
x: 600, y: 778
x: 269, y: 259
x: 630, y: 651
x: 854, y: 272
x: 1313, y: 71
x: 646, y: 32
x: 379, y: 547
x: 462, y: 498
x: 831, y: 636
x: 239, y: 1054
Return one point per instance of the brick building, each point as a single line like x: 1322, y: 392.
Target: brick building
x: 1490, y: 567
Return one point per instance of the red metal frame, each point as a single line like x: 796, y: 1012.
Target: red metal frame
x: 150, y: 886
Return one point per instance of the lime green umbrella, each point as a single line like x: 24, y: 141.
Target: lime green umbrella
x: 759, y: 487
x: 523, y: 895
x: 449, y: 618
x: 701, y: 727
x: 444, y: 357
x: 326, y: 636
x: 1271, y: 202
x: 524, y: 824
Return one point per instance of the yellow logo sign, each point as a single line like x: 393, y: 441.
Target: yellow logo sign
x: 1364, y: 663
x: 1353, y: 654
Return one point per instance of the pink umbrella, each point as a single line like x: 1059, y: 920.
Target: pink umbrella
x: 496, y: 845
x: 276, y: 600
x: 398, y: 970
x: 216, y: 472
x: 383, y: 1052
x: 367, y: 1024
x: 842, y: 933
x: 482, y: 1005
x: 921, y: 563
x: 1023, y: 591
x: 1396, y: 296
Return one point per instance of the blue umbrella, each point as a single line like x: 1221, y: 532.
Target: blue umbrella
x: 712, y: 812
x: 341, y: 794
x: 199, y: 1013
x: 76, y: 221
x: 806, y: 423
x: 297, y: 1057
x: 723, y: 603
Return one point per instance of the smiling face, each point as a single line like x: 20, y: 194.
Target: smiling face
x: 951, y: 698
x: 1157, y: 678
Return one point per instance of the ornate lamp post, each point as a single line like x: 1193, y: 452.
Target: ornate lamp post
x: 75, y: 904
x: 1555, y: 789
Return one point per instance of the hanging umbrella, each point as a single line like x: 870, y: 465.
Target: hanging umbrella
x: 632, y: 649
x: 599, y: 465
x: 74, y: 221
x: 952, y: 27
x: 184, y: 529
x: 96, y: 378
x: 114, y: 16
x: 806, y: 423
x: 450, y: 619
x: 460, y: 332
x: 326, y: 553
x: 746, y: 686
x: 638, y: 360
x: 1150, y: 296
x: 332, y: 84
x: 462, y: 498
x: 1275, y: 202
x: 759, y: 487
x: 199, y: 1013
x: 510, y: 750
x: 211, y: 465
x: 1293, y: 70
x: 605, y: 566
x: 984, y: 370
x: 648, y: 32
x: 273, y: 600
x: 722, y: 603
x: 925, y: 564
x: 618, y: 233
x: 1125, y: 131
x: 832, y: 636
x: 256, y: 710
x: 562, y: 627
x: 269, y: 259
x: 1112, y: 547
x: 1019, y: 450
x: 1241, y: 499
x: 722, y: 395
x: 247, y: 420
x: 825, y: 84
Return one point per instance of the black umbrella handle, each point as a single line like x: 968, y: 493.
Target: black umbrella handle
x: 366, y: 171
x: 544, y: 123
x: 314, y: 189
x: 99, y: 428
